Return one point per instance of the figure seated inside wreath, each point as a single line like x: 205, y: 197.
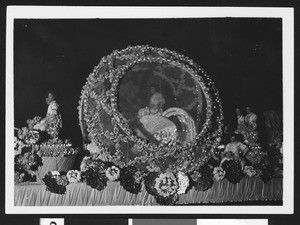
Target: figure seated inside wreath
x: 154, y: 124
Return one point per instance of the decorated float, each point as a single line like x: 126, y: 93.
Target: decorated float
x: 152, y: 122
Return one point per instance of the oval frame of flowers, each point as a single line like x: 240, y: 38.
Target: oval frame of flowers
x: 210, y: 132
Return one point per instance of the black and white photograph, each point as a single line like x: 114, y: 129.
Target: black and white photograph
x: 142, y: 110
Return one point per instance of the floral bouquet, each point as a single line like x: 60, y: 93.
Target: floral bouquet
x: 29, y: 136
x: 250, y: 171
x: 166, y: 187
x: 74, y: 176
x: 202, y: 178
x: 56, y: 182
x: 131, y: 179
x: 98, y: 172
x: 28, y: 161
x: 112, y: 173
x: 233, y: 169
x: 219, y: 173
x: 166, y: 184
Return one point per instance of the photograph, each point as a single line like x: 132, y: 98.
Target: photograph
x: 143, y: 110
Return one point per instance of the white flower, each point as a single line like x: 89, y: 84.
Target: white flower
x: 55, y: 173
x: 250, y: 171
x: 112, y: 173
x: 183, y: 182
x: 73, y: 176
x: 166, y: 184
x: 219, y: 173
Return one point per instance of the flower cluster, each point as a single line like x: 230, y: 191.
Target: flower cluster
x: 73, y: 176
x: 28, y: 161
x: 28, y: 136
x: 18, y: 146
x: 203, y: 178
x: 112, y: 173
x: 166, y: 184
x: 56, y: 182
x: 131, y: 179
x: 233, y: 169
x: 96, y: 178
x: 219, y: 173
x: 19, y: 177
x: 250, y: 171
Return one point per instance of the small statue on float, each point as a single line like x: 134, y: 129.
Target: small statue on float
x: 52, y: 123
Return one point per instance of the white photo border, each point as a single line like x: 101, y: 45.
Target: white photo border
x: 72, y: 12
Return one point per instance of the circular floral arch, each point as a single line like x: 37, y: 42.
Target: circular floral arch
x: 106, y: 116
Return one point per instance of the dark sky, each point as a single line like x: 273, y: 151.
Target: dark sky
x: 242, y: 56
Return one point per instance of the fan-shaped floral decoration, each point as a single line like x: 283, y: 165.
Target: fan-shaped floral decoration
x: 169, y: 133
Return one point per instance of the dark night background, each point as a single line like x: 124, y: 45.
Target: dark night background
x: 242, y: 56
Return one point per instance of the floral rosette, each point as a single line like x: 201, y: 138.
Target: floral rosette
x: 97, y: 172
x: 73, y: 176
x: 112, y: 173
x: 250, y: 171
x: 166, y: 184
x: 56, y: 182
x: 163, y: 186
x: 203, y: 178
x: 219, y: 173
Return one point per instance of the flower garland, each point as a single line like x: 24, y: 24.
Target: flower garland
x: 56, y: 147
x: 164, y: 186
